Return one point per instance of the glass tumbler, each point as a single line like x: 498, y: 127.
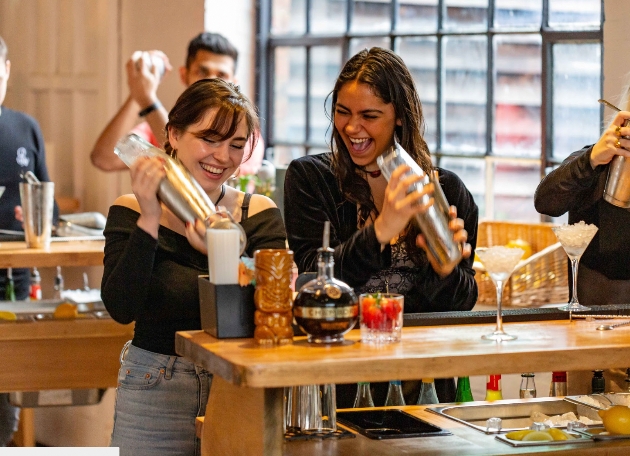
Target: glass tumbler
x: 381, y: 317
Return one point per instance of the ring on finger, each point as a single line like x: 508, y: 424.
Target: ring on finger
x: 618, y: 131
x: 617, y: 144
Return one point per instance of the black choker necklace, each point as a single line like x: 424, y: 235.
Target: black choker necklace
x: 373, y: 174
x: 221, y: 195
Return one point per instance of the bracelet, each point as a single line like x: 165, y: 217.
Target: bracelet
x: 149, y: 109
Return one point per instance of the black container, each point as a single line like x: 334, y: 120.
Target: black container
x: 227, y: 311
x: 388, y: 424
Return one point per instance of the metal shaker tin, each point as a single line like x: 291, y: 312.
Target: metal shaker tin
x: 434, y: 222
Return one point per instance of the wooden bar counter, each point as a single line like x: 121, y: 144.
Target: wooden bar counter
x: 244, y: 413
x: 60, y: 253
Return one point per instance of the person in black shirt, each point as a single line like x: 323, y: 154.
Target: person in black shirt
x: 577, y: 187
x: 21, y: 150
x: 376, y: 246
x: 152, y: 261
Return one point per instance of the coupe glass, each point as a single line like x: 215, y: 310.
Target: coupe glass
x: 499, y: 262
x: 574, y: 239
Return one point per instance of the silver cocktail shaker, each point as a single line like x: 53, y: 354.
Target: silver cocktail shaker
x: 179, y: 190
x: 434, y: 222
x: 617, y: 191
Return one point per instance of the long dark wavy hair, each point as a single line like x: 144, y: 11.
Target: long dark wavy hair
x: 390, y: 80
x: 208, y: 94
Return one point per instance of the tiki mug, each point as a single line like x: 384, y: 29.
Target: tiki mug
x: 273, y: 297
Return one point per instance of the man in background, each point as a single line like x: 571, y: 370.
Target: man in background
x: 209, y: 55
x: 21, y: 150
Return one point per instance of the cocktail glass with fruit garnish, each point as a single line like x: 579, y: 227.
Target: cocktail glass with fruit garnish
x: 574, y: 239
x: 381, y: 317
x: 499, y: 262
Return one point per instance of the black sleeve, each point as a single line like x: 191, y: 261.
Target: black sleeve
x: 128, y: 265
x: 457, y: 291
x: 265, y: 230
x: 310, y: 198
x: 572, y: 186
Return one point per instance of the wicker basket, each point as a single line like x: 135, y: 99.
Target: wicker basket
x: 540, y: 279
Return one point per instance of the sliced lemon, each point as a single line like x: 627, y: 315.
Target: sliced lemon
x: 538, y: 436
x: 518, y: 435
x: 558, y: 434
x: 66, y: 310
x: 6, y: 315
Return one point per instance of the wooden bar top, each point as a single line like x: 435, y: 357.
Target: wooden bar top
x: 60, y: 354
x: 62, y: 253
x: 430, y: 351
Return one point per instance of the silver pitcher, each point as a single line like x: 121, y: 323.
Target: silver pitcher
x: 434, y: 222
x: 179, y: 190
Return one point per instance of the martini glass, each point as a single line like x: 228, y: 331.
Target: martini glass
x: 574, y: 239
x: 499, y: 262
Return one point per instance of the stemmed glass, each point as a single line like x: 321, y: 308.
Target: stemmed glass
x: 574, y: 239
x: 499, y: 261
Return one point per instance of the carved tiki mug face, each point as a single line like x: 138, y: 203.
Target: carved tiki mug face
x: 273, y: 280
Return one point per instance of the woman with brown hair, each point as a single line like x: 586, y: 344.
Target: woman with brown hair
x: 152, y: 261
x: 376, y: 247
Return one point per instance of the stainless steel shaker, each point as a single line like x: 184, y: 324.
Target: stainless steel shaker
x: 179, y: 190
x: 434, y: 222
x: 617, y: 191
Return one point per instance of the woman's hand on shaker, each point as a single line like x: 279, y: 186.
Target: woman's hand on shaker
x: 460, y: 235
x: 612, y: 142
x: 398, y: 206
x: 146, y: 175
x: 196, y: 235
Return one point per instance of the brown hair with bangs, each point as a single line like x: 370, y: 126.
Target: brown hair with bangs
x: 208, y: 94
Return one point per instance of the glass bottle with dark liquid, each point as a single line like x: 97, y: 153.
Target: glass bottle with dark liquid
x: 326, y: 308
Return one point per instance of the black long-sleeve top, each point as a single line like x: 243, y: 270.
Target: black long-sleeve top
x: 313, y: 196
x: 577, y: 188
x: 154, y: 281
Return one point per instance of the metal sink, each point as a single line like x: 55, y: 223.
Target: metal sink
x: 514, y: 415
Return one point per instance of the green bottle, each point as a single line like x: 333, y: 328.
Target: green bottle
x: 9, y: 292
x: 463, y: 393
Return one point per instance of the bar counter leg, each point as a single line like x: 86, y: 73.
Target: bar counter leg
x: 242, y: 421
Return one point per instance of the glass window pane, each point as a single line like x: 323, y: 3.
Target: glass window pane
x: 517, y: 95
x: 576, y: 88
x: 328, y: 16
x: 466, y: 66
x: 417, y: 16
x: 513, y: 188
x: 318, y: 150
x: 511, y: 14
x: 372, y: 16
x: 288, y: 16
x: 289, y: 94
x: 282, y: 155
x: 466, y: 15
x: 325, y: 67
x: 472, y: 173
x: 575, y: 14
x: 420, y: 55
x: 358, y: 44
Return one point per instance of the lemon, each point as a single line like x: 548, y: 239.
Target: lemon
x: 66, y: 310
x: 559, y: 434
x: 6, y: 315
x: 616, y: 419
x: 518, y: 435
x: 538, y: 436
x: 521, y: 244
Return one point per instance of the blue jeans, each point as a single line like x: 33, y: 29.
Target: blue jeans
x: 157, y: 400
x: 9, y: 417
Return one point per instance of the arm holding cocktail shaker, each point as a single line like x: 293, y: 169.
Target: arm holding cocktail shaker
x: 435, y: 221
